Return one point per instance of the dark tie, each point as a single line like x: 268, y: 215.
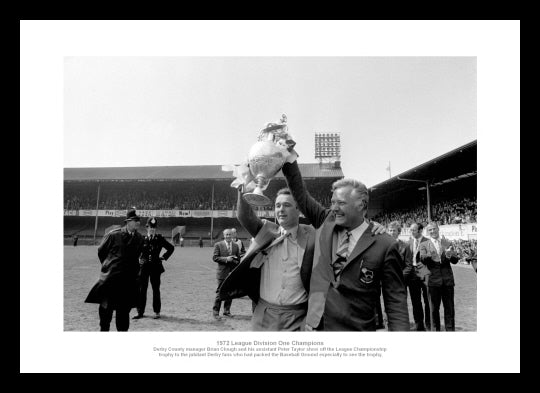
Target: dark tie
x: 342, y: 253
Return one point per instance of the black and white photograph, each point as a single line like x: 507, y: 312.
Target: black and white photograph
x: 299, y: 206
x: 366, y: 249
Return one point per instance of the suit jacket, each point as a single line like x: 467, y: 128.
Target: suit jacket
x: 150, y: 258
x: 220, y: 257
x: 118, y: 254
x: 441, y: 273
x: 406, y: 258
x: 244, y: 279
x: 412, y: 273
x: 350, y: 303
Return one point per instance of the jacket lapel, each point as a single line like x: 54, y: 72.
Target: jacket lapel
x: 328, y: 238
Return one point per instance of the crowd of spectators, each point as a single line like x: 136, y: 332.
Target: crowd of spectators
x: 466, y: 249
x: 455, y: 211
x: 164, y: 197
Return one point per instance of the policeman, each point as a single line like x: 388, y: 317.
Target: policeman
x: 151, y: 267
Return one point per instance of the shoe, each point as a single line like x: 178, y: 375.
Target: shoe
x: 216, y: 316
x: 228, y: 315
x: 138, y: 316
x: 157, y: 316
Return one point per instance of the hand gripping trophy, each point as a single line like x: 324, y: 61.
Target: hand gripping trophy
x: 265, y: 159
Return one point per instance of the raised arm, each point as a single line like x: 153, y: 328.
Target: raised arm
x: 310, y: 208
x: 247, y: 217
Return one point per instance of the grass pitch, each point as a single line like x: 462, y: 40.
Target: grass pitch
x: 188, y: 290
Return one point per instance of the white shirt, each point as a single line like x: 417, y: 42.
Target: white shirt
x: 356, y: 234
x: 280, y: 273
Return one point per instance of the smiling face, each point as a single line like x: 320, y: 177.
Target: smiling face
x: 348, y: 207
x: 227, y: 235
x: 433, y: 230
x: 286, y: 211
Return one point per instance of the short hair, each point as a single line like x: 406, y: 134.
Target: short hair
x: 232, y: 229
x: 225, y: 230
x: 284, y: 191
x: 395, y: 224
x: 359, y: 187
x: 433, y: 224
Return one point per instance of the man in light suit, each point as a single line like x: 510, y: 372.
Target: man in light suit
x: 437, y: 254
x: 350, y: 262
x: 227, y: 256
x: 417, y: 276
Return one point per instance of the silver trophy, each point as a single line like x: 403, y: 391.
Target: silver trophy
x: 266, y: 157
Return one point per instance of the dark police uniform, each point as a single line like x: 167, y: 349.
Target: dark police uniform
x: 151, y: 267
x: 116, y: 288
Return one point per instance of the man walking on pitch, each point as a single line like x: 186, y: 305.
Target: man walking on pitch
x: 116, y: 288
x: 227, y: 256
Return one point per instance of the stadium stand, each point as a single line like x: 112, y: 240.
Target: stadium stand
x: 451, y: 179
x: 170, y: 188
x: 448, y: 182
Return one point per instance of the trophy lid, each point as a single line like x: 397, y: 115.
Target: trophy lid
x: 281, y: 124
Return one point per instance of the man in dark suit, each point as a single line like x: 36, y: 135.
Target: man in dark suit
x: 116, y: 288
x: 350, y: 262
x: 417, y: 276
x: 394, y: 230
x: 438, y: 253
x: 227, y: 256
x: 151, y: 267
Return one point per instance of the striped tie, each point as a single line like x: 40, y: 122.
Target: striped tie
x: 342, y: 253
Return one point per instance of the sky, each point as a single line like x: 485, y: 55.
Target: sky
x: 155, y: 111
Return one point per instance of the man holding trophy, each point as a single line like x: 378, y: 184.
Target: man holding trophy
x: 276, y: 270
